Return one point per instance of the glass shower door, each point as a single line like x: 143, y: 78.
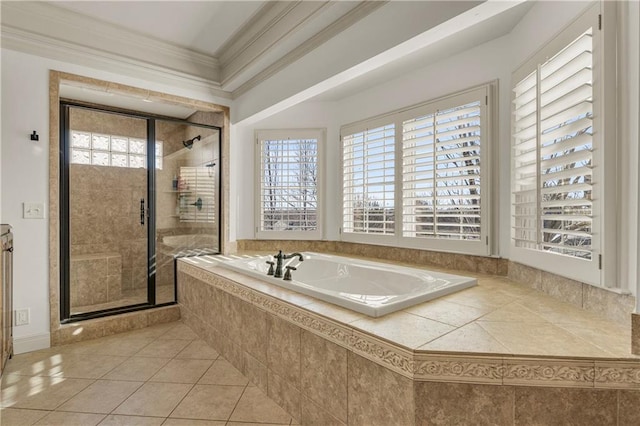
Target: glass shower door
x: 107, y: 211
x: 187, y: 204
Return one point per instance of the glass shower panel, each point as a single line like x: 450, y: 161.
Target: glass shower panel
x: 187, y: 201
x: 107, y: 211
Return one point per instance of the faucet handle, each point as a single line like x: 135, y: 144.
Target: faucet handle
x: 270, y: 263
x: 287, y: 275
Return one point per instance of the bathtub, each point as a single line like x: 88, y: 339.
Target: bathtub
x: 371, y: 288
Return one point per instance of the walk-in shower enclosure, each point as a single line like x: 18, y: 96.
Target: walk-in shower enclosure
x: 137, y: 191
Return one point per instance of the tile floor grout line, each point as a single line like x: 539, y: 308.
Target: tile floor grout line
x: 112, y: 412
x: 182, y: 399
x: 237, y: 402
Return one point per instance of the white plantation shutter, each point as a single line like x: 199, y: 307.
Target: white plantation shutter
x: 441, y: 173
x: 432, y: 160
x: 288, y: 197
x: 197, y: 195
x: 525, y: 159
x: 368, y: 181
x: 553, y: 153
x: 559, y: 152
x: 566, y: 144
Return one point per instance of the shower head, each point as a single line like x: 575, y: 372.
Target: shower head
x: 189, y: 143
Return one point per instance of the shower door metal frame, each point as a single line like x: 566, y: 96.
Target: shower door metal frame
x: 150, y: 214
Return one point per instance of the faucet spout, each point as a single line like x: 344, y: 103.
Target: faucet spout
x: 300, y: 256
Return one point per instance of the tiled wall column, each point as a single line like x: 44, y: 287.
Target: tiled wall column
x: 635, y: 334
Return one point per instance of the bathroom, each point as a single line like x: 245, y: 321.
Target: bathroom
x: 272, y: 105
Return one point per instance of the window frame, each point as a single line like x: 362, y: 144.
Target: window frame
x: 603, y: 187
x: 282, y: 134
x: 484, y: 93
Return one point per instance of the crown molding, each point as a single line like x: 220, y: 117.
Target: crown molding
x: 66, y: 28
x: 253, y: 29
x: 277, y: 25
x: 43, y: 46
x: 246, y: 60
x: 344, y: 22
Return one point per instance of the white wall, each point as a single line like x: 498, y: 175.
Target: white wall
x: 367, y: 38
x: 24, y: 108
x: 25, y: 172
x: 495, y: 60
x: 417, y: 85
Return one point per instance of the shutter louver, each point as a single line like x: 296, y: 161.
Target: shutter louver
x: 288, y: 185
x: 368, y: 181
x: 441, y: 174
x: 197, y: 196
x: 553, y: 157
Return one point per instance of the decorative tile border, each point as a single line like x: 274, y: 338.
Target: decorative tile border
x: 392, y: 357
x: 617, y: 375
x: 545, y: 372
x: 429, y: 366
x: 452, y: 368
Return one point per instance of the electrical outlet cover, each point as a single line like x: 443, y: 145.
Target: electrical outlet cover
x: 22, y: 317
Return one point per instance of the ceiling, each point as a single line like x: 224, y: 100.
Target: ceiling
x: 201, y: 26
x: 475, y: 35
x: 230, y: 47
x: 223, y: 46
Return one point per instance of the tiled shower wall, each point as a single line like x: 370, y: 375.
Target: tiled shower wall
x: 105, y: 201
x: 105, y: 217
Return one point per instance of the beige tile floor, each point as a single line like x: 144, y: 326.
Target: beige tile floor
x: 161, y: 375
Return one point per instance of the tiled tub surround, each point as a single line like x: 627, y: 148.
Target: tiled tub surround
x: 367, y: 287
x: 495, y: 354
x: 614, y: 306
x: 458, y: 262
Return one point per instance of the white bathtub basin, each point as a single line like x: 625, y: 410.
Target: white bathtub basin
x: 371, y: 288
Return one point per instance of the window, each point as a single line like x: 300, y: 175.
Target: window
x: 441, y: 174
x: 555, y: 209
x: 109, y: 150
x: 368, y: 181
x: 288, y: 184
x: 431, y: 160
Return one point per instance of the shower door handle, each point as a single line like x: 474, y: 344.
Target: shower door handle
x: 142, y: 212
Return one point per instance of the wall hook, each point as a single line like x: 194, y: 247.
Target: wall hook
x: 34, y: 136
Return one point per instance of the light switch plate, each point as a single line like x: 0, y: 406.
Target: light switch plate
x: 33, y: 210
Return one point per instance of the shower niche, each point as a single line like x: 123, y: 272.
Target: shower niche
x: 137, y: 191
